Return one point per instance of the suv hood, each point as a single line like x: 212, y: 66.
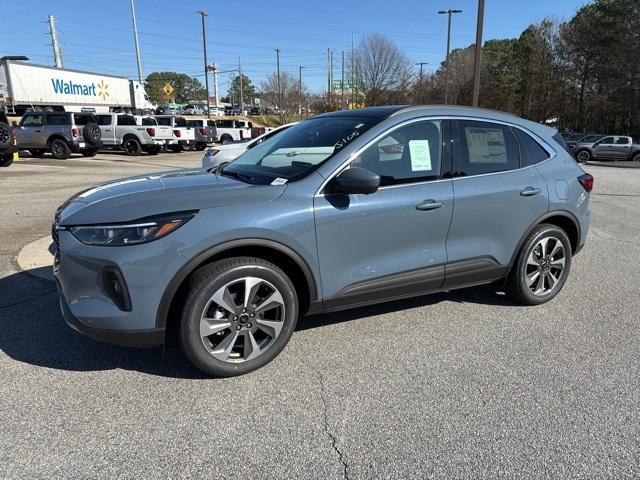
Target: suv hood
x: 179, y: 190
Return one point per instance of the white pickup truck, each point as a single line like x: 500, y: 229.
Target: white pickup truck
x: 132, y: 134
x: 233, y: 130
x: 183, y: 134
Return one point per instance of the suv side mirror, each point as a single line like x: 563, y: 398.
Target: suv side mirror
x: 355, y: 180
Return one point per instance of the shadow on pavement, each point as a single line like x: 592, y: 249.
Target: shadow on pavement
x: 33, y: 331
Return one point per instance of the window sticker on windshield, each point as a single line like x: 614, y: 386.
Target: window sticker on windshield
x: 279, y: 181
x: 420, y: 155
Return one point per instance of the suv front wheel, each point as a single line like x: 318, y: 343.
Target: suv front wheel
x: 239, y: 315
x: 542, y: 266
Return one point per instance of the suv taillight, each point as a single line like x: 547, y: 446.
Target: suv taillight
x: 203, y: 131
x: 177, y: 133
x: 74, y: 132
x: 151, y: 132
x: 241, y: 134
x: 586, y: 181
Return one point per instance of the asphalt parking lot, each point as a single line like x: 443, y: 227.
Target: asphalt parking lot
x: 456, y: 385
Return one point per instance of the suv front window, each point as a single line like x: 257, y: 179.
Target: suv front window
x: 299, y: 150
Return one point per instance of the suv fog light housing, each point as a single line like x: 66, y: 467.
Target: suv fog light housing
x: 116, y: 288
x: 140, y: 231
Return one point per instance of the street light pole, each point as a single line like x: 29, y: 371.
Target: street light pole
x: 300, y: 89
x: 206, y: 74
x: 278, y: 78
x: 478, y: 54
x: 446, y: 68
x: 420, y: 81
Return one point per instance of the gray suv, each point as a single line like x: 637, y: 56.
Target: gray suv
x: 61, y: 133
x: 344, y: 209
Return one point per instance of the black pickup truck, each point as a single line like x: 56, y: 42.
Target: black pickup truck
x: 7, y: 145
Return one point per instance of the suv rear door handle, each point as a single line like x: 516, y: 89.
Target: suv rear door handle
x: 530, y: 191
x: 429, y: 205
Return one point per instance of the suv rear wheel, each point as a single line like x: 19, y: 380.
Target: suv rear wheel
x: 6, y: 159
x: 542, y: 266
x: 239, y: 315
x: 584, y: 156
x: 59, y: 149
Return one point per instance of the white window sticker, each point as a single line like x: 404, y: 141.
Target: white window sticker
x: 420, y: 155
x: 279, y: 181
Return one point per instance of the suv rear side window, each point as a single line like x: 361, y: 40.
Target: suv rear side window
x: 531, y: 152
x: 408, y: 154
x: 57, y: 119
x: 485, y: 147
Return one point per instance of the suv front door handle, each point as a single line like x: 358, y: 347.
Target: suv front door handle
x: 429, y: 205
x: 530, y: 191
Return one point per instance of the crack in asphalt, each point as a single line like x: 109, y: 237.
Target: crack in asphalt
x: 25, y: 300
x: 326, y: 426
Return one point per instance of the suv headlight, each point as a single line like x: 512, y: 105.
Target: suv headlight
x: 144, y: 230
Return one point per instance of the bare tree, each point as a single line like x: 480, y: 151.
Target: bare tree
x: 286, y: 99
x: 382, y: 70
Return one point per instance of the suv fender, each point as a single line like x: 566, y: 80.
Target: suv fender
x: 542, y: 219
x: 188, y: 268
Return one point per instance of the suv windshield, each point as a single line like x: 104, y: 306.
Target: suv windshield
x: 299, y: 150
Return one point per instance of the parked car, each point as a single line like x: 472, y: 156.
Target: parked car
x: 61, y: 133
x: 611, y: 147
x: 184, y: 135
x: 233, y: 130
x: 230, y: 151
x: 128, y: 133
x: 314, y: 220
x: 255, y: 111
x: 205, y: 131
x: 192, y: 109
x: 7, y: 141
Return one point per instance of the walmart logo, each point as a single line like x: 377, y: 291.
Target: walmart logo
x: 72, y: 88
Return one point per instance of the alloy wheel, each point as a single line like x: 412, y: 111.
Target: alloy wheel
x: 545, y: 266
x: 242, y: 320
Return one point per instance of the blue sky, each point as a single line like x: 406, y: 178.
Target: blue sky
x: 97, y: 36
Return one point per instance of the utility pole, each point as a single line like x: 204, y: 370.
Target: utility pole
x: 342, y: 84
x: 420, y: 81
x: 352, y: 74
x: 329, y: 76
x: 57, y: 55
x: 478, y: 54
x: 300, y: 89
x: 135, y: 40
x: 204, y: 46
x: 278, y: 78
x: 446, y: 68
x: 241, y: 92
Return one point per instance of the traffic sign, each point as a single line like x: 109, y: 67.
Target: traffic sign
x: 167, y: 89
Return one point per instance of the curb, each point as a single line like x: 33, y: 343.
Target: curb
x: 613, y: 164
x: 35, y: 259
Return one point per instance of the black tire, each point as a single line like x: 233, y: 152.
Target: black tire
x: 226, y: 139
x: 89, y: 152
x: 175, y: 148
x: 636, y: 158
x: 59, y: 149
x: 131, y: 146
x: 516, y: 285
x: 92, y: 133
x: 204, y: 283
x: 583, y: 156
x: 37, y: 152
x: 201, y: 146
x: 6, y: 159
x: 5, y: 135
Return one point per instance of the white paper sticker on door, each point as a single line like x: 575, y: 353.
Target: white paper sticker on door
x: 420, y: 155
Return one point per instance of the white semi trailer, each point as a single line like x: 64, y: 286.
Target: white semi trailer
x: 26, y: 86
